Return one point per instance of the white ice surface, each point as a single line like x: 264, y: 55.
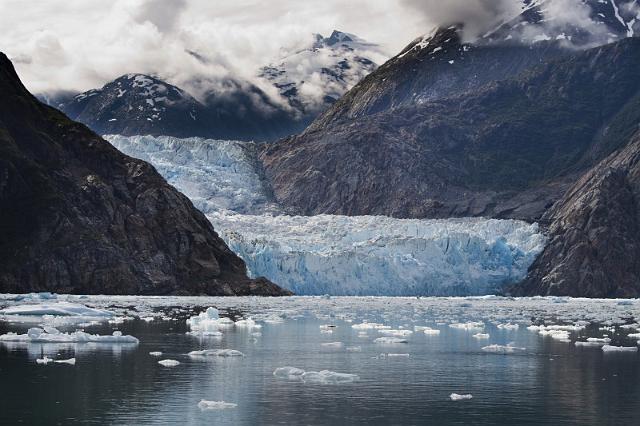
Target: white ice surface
x: 55, y: 308
x: 336, y: 255
x: 53, y: 335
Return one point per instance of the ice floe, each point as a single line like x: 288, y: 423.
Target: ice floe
x: 458, y: 397
x: 320, y: 377
x: 609, y: 348
x: 390, y: 340
x: 216, y: 353
x: 169, y: 363
x: 53, y: 335
x: 46, y: 360
x: 55, y: 308
x: 215, y: 405
x: 481, y: 336
x: 502, y: 349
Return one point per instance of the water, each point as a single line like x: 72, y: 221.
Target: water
x: 550, y: 383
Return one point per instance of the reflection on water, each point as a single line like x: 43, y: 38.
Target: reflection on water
x: 552, y: 382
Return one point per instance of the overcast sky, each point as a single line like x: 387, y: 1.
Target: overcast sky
x: 81, y: 44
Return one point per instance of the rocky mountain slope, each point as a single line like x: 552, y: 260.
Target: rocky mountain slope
x: 77, y: 216
x: 508, y: 148
x: 594, y: 236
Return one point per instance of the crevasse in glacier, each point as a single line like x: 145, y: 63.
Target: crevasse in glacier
x: 338, y: 255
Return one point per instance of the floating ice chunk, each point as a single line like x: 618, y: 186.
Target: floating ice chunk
x: 468, y: 326
x: 634, y: 336
x: 209, y: 321
x: 215, y: 405
x: 608, y: 348
x: 457, y: 397
x: 205, y: 333
x: 398, y: 355
x: 599, y: 340
x: 155, y: 353
x: 247, y: 323
x: 147, y: 319
x: 368, y: 326
x: 500, y: 349
x: 431, y: 331
x: 46, y: 360
x: 589, y: 344
x: 397, y: 333
x: 481, y: 336
x: 289, y: 373
x: 390, y: 340
x: 334, y: 345
x: 52, y: 335
x: 327, y: 377
x: 326, y: 331
x: 55, y: 308
x: 216, y: 352
x: 169, y: 363
x: 508, y: 326
x: 321, y: 377
x: 354, y: 349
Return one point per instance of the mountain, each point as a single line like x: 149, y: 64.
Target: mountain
x: 138, y: 104
x: 308, y: 81
x: 509, y: 148
x: 312, y: 79
x: 78, y: 216
x: 594, y: 236
x: 582, y: 24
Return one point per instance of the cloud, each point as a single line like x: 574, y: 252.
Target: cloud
x: 91, y: 42
x: 477, y: 16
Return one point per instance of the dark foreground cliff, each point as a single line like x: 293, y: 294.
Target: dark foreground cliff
x: 594, y: 236
x: 77, y: 216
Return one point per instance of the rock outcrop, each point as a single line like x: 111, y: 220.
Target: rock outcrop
x: 78, y: 216
x: 594, y: 236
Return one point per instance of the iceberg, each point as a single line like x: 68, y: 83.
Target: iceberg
x: 169, y: 363
x: 215, y: 405
x: 457, y: 397
x: 225, y: 353
x: 52, y: 335
x: 324, y: 377
x: 208, y: 323
x: 336, y: 255
x: 56, y: 309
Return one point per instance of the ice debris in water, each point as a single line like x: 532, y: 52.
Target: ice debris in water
x: 156, y: 353
x: 247, y: 323
x: 501, y: 349
x: 390, y: 340
x: 53, y: 335
x: 216, y: 353
x: 209, y: 321
x: 334, y: 345
x: 55, y: 308
x: 325, y: 377
x: 46, y: 360
x: 205, y: 405
x: 369, y: 326
x: 397, y: 333
x: 169, y: 363
x: 481, y: 336
x: 457, y: 397
x: 508, y: 326
x: 468, y: 326
x: 608, y: 348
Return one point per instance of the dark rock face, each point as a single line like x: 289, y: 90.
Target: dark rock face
x: 594, y: 241
x: 508, y: 149
x: 77, y: 216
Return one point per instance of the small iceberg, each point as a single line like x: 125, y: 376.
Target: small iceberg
x: 390, y: 340
x: 500, y: 349
x: 457, y: 397
x: 609, y: 348
x: 225, y: 353
x: 481, y: 336
x: 215, y: 405
x: 55, y: 308
x: 169, y: 363
x: 156, y: 353
x: 324, y: 377
x: 53, y: 335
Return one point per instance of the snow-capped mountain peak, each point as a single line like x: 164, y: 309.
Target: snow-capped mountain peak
x: 314, y: 77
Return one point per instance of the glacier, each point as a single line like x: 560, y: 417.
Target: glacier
x: 336, y: 255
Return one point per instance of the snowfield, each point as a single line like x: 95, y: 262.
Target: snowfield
x: 337, y: 255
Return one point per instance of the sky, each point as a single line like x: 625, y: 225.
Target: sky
x: 81, y: 44
x: 77, y: 45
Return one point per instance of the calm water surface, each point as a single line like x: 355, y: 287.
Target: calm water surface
x: 549, y: 383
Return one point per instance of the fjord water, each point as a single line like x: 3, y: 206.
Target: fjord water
x: 550, y: 382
